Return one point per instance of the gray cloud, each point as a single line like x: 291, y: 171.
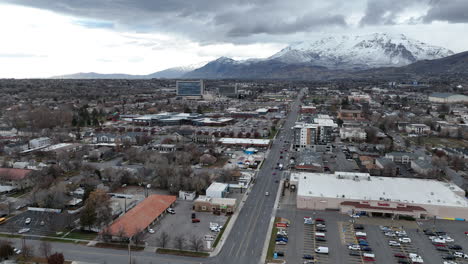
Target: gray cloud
x: 205, y: 21
x: 453, y: 11
x: 384, y: 12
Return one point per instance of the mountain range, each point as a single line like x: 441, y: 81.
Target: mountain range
x: 328, y: 58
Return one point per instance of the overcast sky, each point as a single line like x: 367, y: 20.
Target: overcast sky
x: 43, y: 38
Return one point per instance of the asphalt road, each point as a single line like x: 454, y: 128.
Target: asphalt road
x: 245, y: 241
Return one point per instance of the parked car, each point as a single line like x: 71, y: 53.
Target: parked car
x: 405, y: 240
x: 449, y: 257
x: 279, y: 253
x: 17, y: 251
x: 369, y: 249
x: 456, y: 247
x: 320, y: 239
x: 363, y: 243
x: 23, y: 230
x: 460, y: 255
x: 195, y: 220
x: 354, y: 247
x: 403, y: 261
x: 358, y: 227
x: 321, y: 250
x: 170, y: 210
x: 321, y: 229
x: 281, y: 243
x: 281, y: 239
x: 28, y: 221
x: 320, y: 220
x: 267, y: 193
x: 442, y: 249
x: 390, y: 234
x: 400, y: 255
x: 151, y: 231
x: 307, y: 256
x: 354, y: 253
x: 393, y: 243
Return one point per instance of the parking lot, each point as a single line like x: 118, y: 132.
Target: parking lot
x: 51, y: 222
x: 341, y: 233
x: 180, y: 224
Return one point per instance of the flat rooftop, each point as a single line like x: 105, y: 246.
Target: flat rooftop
x: 357, y: 186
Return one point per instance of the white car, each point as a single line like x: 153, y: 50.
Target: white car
x: 281, y: 243
x: 405, y: 240
x: 320, y: 225
x: 151, y: 231
x: 17, y: 251
x: 390, y: 234
x: 354, y: 216
x: 267, y: 193
x: 448, y: 239
x: 28, y: 221
x: 401, y: 233
x: 23, y: 230
x: 460, y: 255
x: 450, y: 262
x: 282, y: 232
x: 170, y: 210
x: 393, y: 243
x: 354, y: 247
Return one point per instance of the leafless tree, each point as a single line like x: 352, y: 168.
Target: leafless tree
x: 179, y: 242
x: 45, y: 248
x: 163, y: 239
x: 196, y: 243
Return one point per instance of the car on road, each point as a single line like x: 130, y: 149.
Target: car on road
x: 151, y: 231
x: 267, y: 193
x: 195, y: 220
x: 42, y: 223
x: 23, y: 230
x: 393, y: 243
x: 274, y: 173
x: 170, y: 210
x: 28, y: 221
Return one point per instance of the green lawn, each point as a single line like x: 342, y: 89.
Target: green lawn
x: 182, y: 253
x: 77, y: 234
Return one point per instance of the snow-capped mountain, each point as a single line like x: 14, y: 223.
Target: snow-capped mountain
x: 360, y: 52
x: 176, y: 72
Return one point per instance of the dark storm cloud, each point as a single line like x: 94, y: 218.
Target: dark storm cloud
x: 384, y: 12
x: 203, y: 20
x: 453, y: 11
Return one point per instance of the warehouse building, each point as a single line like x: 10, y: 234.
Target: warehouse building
x: 351, y: 192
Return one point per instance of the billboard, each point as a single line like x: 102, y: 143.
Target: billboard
x: 190, y: 88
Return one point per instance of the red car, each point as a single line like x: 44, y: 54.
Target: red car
x: 368, y: 259
x: 439, y: 245
x: 195, y: 220
x: 399, y: 255
x: 320, y: 220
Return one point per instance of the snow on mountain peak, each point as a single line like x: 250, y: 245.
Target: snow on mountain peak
x: 367, y: 51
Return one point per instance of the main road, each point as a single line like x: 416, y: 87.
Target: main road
x: 247, y: 237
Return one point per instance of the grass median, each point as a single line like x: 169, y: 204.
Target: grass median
x: 182, y: 253
x: 218, y: 238
x: 272, y: 243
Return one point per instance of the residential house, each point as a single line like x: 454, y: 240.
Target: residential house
x: 353, y: 133
x: 422, y: 166
x: 420, y: 129
x: 19, y: 178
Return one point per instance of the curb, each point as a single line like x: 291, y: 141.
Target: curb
x: 270, y: 225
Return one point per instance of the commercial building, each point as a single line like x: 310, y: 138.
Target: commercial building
x: 190, y: 88
x: 228, y: 91
x: 419, y: 129
x: 317, y: 133
x: 217, y: 190
x: 245, y: 142
x: 216, y: 205
x: 353, y: 133
x: 359, y: 192
x: 448, y: 98
x: 141, y: 216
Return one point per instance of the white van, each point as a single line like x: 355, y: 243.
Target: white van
x: 368, y: 255
x: 321, y: 250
